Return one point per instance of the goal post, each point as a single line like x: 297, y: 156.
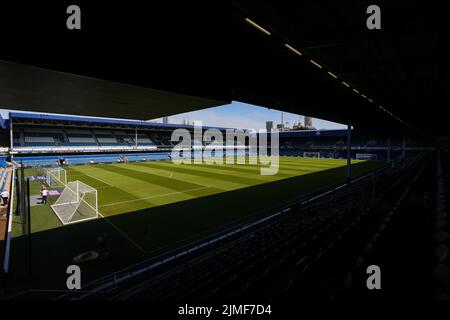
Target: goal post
x: 56, y: 177
x: 366, y: 156
x: 78, y: 202
x: 310, y: 154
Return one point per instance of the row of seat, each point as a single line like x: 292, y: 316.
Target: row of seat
x: 441, y: 270
x: 380, y: 241
x: 3, y: 162
x: 60, y: 137
x: 270, y: 261
x: 332, y: 252
x: 3, y: 178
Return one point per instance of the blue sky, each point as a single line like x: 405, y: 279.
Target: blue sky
x: 243, y: 115
x: 240, y: 115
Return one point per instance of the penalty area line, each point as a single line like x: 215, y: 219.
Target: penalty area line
x: 134, y: 200
x: 123, y: 234
x: 154, y: 197
x: 98, y: 179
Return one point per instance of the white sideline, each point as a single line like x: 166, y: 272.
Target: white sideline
x: 154, y: 197
x: 10, y: 218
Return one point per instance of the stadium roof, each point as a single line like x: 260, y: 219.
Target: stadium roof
x: 307, y: 57
x: 314, y: 133
x: 103, y: 121
x: 34, y: 89
x: 2, y: 122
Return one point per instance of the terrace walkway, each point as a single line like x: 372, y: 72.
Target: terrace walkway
x: 5, y: 183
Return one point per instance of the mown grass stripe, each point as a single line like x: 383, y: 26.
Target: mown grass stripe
x: 90, y: 172
x: 155, y: 197
x: 246, y: 168
x: 203, y: 172
x: 168, y: 174
x: 285, y: 171
x: 154, y: 179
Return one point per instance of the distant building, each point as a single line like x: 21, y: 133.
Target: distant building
x: 308, y: 123
x: 269, y: 126
x: 280, y: 126
x: 297, y: 126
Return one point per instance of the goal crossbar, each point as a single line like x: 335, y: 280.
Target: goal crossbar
x: 55, y: 177
x: 78, y: 202
x: 366, y: 156
x: 311, y: 154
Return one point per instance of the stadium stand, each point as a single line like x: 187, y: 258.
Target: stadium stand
x: 124, y: 138
x: 45, y: 133
x: 161, y: 139
x: 441, y: 232
x: 33, y: 161
x: 287, y: 254
x: 332, y: 143
x: 3, y: 161
x: 83, y: 138
x: 63, y: 134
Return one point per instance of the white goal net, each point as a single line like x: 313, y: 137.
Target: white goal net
x: 366, y: 156
x: 56, y: 177
x: 78, y: 202
x: 309, y: 154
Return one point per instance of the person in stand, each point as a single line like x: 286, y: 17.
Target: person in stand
x: 5, y: 197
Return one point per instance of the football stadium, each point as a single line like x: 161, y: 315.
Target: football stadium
x: 105, y: 197
x: 118, y: 175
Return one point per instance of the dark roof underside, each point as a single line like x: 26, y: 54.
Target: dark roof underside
x: 206, y: 49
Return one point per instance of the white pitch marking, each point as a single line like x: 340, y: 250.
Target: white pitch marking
x: 105, y: 187
x: 98, y: 179
x: 123, y: 233
x: 154, y: 197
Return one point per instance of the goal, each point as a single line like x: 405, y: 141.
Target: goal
x: 56, y: 177
x: 78, y: 202
x: 310, y: 154
x: 366, y: 156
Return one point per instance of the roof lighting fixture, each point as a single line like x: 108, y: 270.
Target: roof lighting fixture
x: 293, y: 49
x: 257, y: 26
x: 316, y: 64
x: 332, y: 74
x: 346, y: 84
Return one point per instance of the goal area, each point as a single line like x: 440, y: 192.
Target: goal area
x: 56, y: 177
x: 310, y: 154
x: 366, y: 156
x: 78, y: 202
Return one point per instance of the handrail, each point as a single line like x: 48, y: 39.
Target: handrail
x: 9, y: 230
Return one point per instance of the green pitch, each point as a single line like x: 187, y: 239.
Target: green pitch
x: 124, y: 188
x: 147, y: 208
